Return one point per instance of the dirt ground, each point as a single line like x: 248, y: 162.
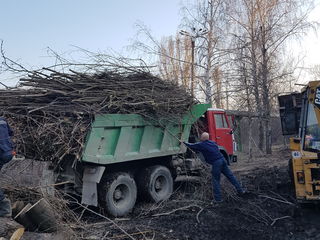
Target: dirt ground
x: 268, y: 211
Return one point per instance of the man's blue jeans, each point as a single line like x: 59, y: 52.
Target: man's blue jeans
x: 220, y: 166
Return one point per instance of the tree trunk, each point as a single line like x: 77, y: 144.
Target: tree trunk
x: 209, y: 55
x: 266, y: 92
x: 256, y: 92
x: 8, y: 227
x: 268, y: 136
x: 217, y: 80
x: 249, y: 106
x: 250, y: 138
x: 261, y: 133
x: 208, y: 90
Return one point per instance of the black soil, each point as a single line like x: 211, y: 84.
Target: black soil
x: 267, y: 211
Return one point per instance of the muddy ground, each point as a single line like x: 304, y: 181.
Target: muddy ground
x: 268, y: 211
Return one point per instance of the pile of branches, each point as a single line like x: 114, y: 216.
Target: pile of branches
x: 51, y: 111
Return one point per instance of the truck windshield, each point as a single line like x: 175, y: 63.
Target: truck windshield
x: 312, y: 136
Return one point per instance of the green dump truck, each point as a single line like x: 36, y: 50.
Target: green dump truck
x: 125, y: 156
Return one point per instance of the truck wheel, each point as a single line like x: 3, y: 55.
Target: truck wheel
x: 155, y: 183
x: 118, y: 194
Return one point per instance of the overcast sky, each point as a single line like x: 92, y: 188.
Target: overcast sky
x: 28, y: 27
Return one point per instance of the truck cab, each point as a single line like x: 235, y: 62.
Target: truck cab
x: 220, y: 131
x: 219, y: 126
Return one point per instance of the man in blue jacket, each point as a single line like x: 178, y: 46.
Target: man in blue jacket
x: 214, y: 157
x: 6, y: 154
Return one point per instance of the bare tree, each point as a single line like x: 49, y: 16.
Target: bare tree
x: 209, y: 16
x: 263, y: 29
x: 175, y: 60
x: 315, y: 71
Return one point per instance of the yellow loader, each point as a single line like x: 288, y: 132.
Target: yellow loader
x: 300, y: 116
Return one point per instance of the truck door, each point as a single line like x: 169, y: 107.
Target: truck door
x: 220, y: 131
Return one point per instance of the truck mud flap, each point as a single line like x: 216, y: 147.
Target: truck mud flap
x: 91, y: 177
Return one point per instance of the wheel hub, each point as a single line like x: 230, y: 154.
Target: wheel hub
x: 117, y: 194
x: 158, y: 184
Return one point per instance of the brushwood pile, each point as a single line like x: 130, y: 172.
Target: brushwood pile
x: 51, y: 112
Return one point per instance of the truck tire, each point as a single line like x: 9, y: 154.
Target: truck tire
x: 118, y: 194
x: 155, y: 183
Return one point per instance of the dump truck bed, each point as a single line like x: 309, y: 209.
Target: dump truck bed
x: 116, y: 138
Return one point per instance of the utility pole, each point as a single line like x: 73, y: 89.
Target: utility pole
x: 193, y: 36
x: 192, y: 65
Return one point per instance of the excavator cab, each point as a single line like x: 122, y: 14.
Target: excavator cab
x: 300, y: 116
x: 290, y: 110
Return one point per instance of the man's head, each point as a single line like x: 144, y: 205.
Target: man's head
x: 204, y: 136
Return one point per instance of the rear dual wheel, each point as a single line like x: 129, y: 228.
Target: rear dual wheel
x: 118, y: 191
x: 118, y: 194
x: 155, y: 183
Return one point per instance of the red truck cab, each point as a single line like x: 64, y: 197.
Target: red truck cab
x: 219, y: 126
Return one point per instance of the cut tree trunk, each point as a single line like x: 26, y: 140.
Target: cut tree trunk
x: 42, y: 216
x: 23, y: 219
x: 8, y: 227
x: 38, y: 217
